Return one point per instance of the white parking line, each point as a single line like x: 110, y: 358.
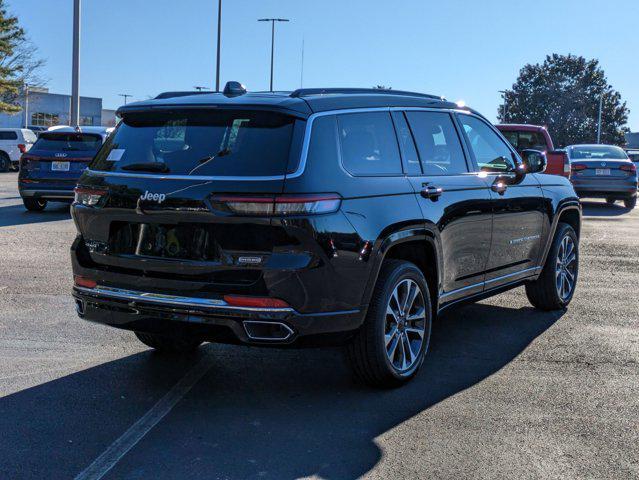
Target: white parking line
x: 112, y: 455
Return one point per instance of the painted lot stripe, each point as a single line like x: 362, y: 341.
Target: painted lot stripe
x: 112, y: 455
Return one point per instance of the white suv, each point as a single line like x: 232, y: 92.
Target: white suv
x: 13, y: 143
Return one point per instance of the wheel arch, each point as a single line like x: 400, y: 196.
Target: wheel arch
x: 569, y: 213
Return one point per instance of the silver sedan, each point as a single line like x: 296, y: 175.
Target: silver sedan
x: 603, y: 171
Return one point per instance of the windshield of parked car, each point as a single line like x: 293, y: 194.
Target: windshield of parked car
x: 68, y: 142
x: 207, y: 142
x: 522, y: 140
x: 597, y: 152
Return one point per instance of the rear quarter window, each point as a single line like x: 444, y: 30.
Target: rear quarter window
x: 200, y: 142
x: 8, y: 135
x: 369, y: 144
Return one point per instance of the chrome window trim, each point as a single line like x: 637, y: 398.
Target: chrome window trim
x: 301, y: 167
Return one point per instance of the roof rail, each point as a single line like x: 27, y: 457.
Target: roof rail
x: 303, y: 92
x: 181, y: 94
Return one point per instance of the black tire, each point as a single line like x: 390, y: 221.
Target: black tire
x: 5, y: 162
x: 34, y: 204
x: 630, y: 203
x: 610, y: 201
x: 166, y: 344
x: 367, y: 352
x: 544, y: 293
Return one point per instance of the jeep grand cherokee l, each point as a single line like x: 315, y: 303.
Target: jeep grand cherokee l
x: 318, y: 216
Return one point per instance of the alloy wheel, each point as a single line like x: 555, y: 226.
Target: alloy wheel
x: 566, y: 269
x: 405, y: 326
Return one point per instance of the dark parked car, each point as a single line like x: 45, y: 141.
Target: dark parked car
x: 50, y: 170
x: 603, y: 171
x: 322, y: 216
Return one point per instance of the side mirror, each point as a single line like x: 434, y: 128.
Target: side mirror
x: 534, y: 160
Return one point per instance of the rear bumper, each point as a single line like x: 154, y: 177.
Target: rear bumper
x: 212, y: 319
x: 47, y: 193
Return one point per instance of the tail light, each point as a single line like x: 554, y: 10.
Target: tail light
x: 85, y: 282
x: 22, y: 147
x: 628, y: 167
x: 255, y: 302
x: 29, y: 163
x: 274, y: 205
x: 566, y: 166
x: 575, y: 167
x: 88, y: 197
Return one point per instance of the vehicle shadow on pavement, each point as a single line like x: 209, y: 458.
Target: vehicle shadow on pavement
x: 17, y: 215
x: 600, y: 209
x: 258, y: 413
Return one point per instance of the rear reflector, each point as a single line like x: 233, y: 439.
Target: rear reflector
x: 254, y: 302
x: 628, y: 167
x: 84, y: 282
x: 262, y: 205
x: 88, y: 197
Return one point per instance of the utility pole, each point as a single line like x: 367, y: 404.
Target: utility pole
x: 125, y: 95
x: 219, y: 39
x: 599, y: 119
x: 272, y: 20
x: 75, y: 71
x: 302, y: 70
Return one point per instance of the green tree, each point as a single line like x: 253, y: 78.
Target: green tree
x: 563, y: 93
x: 18, y: 64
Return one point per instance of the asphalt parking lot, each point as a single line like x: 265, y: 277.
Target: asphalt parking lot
x: 506, y: 392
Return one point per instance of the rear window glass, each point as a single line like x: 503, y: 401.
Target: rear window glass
x: 8, y: 135
x: 369, y: 145
x: 596, y: 152
x: 523, y: 140
x: 29, y: 136
x: 68, y: 142
x: 199, y: 142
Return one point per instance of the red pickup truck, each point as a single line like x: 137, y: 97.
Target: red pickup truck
x: 534, y: 137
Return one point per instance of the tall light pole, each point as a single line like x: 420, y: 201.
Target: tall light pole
x: 75, y: 70
x: 125, y: 96
x: 219, y: 39
x: 503, y: 94
x: 599, y: 118
x: 272, y: 20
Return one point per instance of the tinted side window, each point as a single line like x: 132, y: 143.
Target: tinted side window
x: 437, y: 143
x: 407, y: 145
x: 8, y: 135
x: 491, y: 153
x: 369, y: 145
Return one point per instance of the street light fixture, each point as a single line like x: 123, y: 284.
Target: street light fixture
x: 200, y: 88
x: 272, y: 20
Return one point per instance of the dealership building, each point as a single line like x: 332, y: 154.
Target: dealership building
x: 42, y: 108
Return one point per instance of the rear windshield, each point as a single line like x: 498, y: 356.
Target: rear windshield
x: 597, y: 152
x: 523, y: 140
x: 199, y: 142
x: 68, y: 142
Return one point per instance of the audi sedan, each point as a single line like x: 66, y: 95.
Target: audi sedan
x: 603, y: 171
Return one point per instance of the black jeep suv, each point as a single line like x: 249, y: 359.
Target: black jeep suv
x: 339, y: 216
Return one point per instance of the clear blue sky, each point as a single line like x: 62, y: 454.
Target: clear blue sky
x: 462, y: 49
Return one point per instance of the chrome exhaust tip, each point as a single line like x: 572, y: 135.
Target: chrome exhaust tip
x: 267, y: 331
x: 79, y: 307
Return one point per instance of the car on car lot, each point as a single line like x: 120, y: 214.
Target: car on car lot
x: 321, y: 216
x: 523, y: 137
x: 13, y: 143
x: 633, y: 155
x: 50, y: 170
x: 603, y: 171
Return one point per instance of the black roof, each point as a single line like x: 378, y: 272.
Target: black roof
x: 301, y: 102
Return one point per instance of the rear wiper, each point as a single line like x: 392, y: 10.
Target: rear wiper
x: 221, y: 153
x: 147, y: 167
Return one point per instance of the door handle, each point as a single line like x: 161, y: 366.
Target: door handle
x: 499, y: 186
x: 432, y: 192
